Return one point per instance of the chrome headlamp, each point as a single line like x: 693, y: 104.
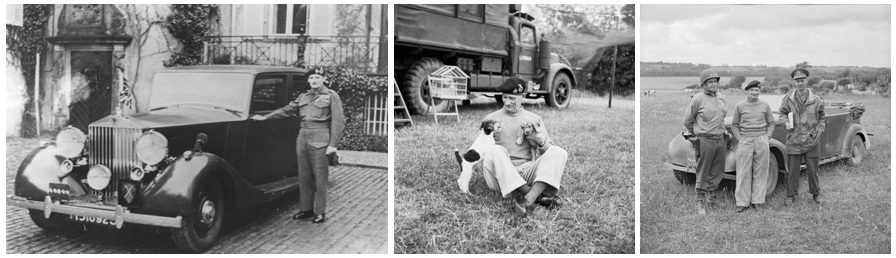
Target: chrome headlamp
x: 151, y: 147
x: 70, y: 142
x: 98, y: 177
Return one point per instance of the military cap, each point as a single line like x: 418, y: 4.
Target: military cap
x: 514, y: 85
x: 753, y: 84
x: 799, y: 73
x: 708, y: 74
x: 315, y: 70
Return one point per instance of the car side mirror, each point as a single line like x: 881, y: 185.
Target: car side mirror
x: 201, y: 139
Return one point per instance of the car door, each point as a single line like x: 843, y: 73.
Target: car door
x: 528, y: 50
x: 270, y: 152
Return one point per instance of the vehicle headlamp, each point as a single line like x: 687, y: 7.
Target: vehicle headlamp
x: 70, y: 142
x: 98, y: 177
x: 137, y: 173
x: 65, y: 167
x: 152, y: 147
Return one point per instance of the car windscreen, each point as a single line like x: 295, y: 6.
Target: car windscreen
x: 216, y: 90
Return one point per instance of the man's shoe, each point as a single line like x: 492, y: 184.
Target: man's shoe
x: 701, y: 210
x: 319, y: 218
x: 710, y: 199
x: 740, y: 209
x: 754, y: 206
x: 551, y: 202
x: 303, y: 215
x: 520, y: 208
x: 789, y: 201
x: 816, y: 198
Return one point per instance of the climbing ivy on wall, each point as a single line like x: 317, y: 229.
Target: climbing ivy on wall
x: 189, y: 24
x: 23, y: 44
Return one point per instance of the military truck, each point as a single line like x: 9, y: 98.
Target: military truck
x: 491, y: 43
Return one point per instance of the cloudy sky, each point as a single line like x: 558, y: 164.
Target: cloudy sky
x: 773, y: 35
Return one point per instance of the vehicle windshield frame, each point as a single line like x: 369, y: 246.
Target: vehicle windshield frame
x: 229, y: 91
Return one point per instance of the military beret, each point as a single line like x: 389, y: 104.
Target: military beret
x: 799, y: 73
x: 514, y: 85
x: 753, y: 84
x: 315, y: 70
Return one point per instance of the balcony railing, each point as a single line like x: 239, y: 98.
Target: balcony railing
x: 367, y: 54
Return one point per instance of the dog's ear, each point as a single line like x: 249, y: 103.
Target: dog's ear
x: 487, y: 127
x: 471, y: 156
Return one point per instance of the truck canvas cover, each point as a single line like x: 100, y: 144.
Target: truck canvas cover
x: 450, y: 26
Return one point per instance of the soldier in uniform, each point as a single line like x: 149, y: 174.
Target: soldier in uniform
x: 322, y: 123
x: 510, y: 168
x: 752, y: 124
x: 705, y: 118
x: 803, y: 135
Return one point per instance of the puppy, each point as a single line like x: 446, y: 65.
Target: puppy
x: 529, y: 131
x: 473, y: 155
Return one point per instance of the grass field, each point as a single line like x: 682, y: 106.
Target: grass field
x: 854, y: 218
x: 433, y: 216
x: 677, y: 84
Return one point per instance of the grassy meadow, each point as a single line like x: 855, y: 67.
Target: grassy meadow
x: 853, y: 218
x: 433, y: 216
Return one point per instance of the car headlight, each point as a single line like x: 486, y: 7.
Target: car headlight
x: 70, y: 142
x: 152, y: 147
x: 98, y: 177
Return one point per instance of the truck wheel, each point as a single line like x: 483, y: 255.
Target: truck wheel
x: 856, y: 151
x: 416, y: 87
x: 201, y: 228
x: 685, y: 177
x: 56, y: 222
x: 772, y: 180
x: 561, y: 91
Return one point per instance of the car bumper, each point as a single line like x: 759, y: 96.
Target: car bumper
x: 119, y: 215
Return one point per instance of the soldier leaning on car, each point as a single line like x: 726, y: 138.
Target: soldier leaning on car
x: 322, y: 122
x: 804, y: 134
x: 753, y: 125
x: 705, y: 118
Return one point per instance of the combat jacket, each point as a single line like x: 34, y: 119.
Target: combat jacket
x: 705, y: 115
x: 808, y: 122
x: 320, y: 108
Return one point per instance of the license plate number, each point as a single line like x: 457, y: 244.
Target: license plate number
x: 91, y: 220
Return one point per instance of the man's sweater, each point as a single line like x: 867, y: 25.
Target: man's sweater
x: 752, y: 118
x: 510, y: 131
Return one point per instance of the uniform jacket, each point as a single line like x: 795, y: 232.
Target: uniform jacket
x: 315, y: 106
x: 705, y: 115
x: 808, y: 122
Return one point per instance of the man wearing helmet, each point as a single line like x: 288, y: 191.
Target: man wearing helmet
x: 804, y: 134
x: 705, y: 118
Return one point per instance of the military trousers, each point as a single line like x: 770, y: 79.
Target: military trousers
x: 793, y: 170
x: 710, y: 165
x: 501, y: 175
x: 752, y: 170
x: 314, y: 170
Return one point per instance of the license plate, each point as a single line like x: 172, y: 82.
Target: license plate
x: 91, y: 220
x: 60, y: 191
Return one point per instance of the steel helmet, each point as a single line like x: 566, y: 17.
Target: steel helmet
x: 708, y: 74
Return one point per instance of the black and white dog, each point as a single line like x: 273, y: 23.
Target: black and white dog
x: 473, y: 155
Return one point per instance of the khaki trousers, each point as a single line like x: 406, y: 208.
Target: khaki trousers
x: 752, y: 170
x: 501, y: 175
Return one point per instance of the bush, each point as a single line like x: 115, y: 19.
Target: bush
x: 354, y: 88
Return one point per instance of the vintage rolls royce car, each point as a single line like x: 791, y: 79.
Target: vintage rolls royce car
x: 192, y: 157
x: 843, y: 138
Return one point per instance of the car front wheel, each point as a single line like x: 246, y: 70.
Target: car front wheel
x: 856, y: 151
x: 56, y: 222
x: 685, y: 177
x: 201, y: 228
x: 772, y: 180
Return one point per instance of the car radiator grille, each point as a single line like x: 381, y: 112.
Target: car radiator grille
x: 113, y: 148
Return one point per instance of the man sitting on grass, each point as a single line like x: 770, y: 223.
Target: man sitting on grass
x: 510, y: 168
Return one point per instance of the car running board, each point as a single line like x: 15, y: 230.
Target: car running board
x: 279, y: 186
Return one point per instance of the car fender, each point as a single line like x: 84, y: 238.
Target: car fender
x: 171, y: 193
x: 854, y: 129
x: 40, y: 168
x: 681, y: 152
x: 558, y: 68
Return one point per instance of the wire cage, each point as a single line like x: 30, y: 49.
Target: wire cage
x: 448, y: 82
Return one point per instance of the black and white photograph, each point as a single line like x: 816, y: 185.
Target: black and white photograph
x: 215, y: 128
x: 765, y: 129
x: 514, y: 128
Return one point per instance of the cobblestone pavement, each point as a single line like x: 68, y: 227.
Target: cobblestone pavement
x: 357, y: 219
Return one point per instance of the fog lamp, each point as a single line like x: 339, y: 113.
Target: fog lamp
x: 70, y: 142
x: 137, y: 173
x: 98, y: 177
x: 151, y: 147
x: 65, y: 167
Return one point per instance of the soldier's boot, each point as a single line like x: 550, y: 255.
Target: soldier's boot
x: 789, y: 201
x: 816, y: 198
x: 711, y: 198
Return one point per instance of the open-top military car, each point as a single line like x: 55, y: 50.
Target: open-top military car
x: 843, y: 138
x: 192, y: 155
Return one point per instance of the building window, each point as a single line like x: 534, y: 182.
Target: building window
x: 291, y: 18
